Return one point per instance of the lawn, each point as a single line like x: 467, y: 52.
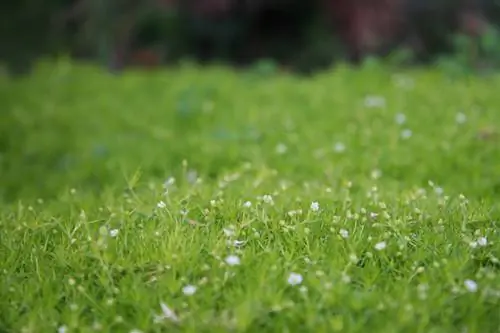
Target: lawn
x: 210, y: 200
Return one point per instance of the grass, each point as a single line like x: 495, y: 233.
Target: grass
x: 118, y: 192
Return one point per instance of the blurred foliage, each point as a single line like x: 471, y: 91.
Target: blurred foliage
x: 296, y: 34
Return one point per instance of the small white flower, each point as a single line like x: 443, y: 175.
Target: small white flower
x: 314, y: 206
x: 344, y: 233
x: 470, y: 285
x: 135, y: 330
x: 380, y: 246
x: 229, y: 231
x: 161, y: 205
x: 114, y: 232
x: 238, y: 243
x: 406, y: 133
x: 268, y: 199
x: 346, y: 278
x: 438, y: 190
x: 400, y: 118
x: 482, y: 241
x: 169, y: 182
x: 167, y: 313
x: 247, y: 204
x: 281, y: 148
x: 339, y: 147
x: 233, y: 260
x: 189, y: 290
x: 373, y: 215
x: 62, y: 329
x: 376, y: 174
x: 294, y: 279
x: 460, y: 118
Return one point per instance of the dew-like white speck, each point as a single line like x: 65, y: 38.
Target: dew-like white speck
x: 380, y: 246
x: 281, y: 148
x: 372, y: 101
x: 247, y: 204
x: 232, y: 260
x: 238, y: 243
x: 460, y: 118
x: 339, y: 147
x: 438, y: 190
x: 482, y: 241
x: 406, y: 134
x: 376, y: 174
x: 268, y: 199
x: 344, y: 233
x: 314, y: 206
x: 189, y: 290
x: 229, y: 232
x: 294, y: 279
x: 471, y: 286
x: 167, y: 313
x: 114, y: 232
x: 161, y: 205
x: 400, y: 118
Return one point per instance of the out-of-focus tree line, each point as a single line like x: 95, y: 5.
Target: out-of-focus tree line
x: 302, y: 34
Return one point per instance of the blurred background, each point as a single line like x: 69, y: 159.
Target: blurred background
x: 267, y: 36
x: 298, y: 35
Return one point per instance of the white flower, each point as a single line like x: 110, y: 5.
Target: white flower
x: 344, y: 233
x: 294, y: 279
x: 314, y: 206
x: 346, y: 278
x: 460, y: 118
x: 247, y: 204
x: 232, y: 260
x: 438, y: 190
x: 135, y: 330
x: 62, y: 329
x: 374, y: 102
x: 400, y: 118
x: 167, y: 313
x: 169, y: 182
x: 238, y: 242
x: 161, y: 205
x: 189, y: 290
x: 229, y: 231
x: 380, y: 246
x: 268, y: 199
x: 470, y: 285
x: 376, y: 174
x: 482, y: 241
x: 406, y: 133
x: 339, y: 147
x: 281, y: 148
x: 114, y: 232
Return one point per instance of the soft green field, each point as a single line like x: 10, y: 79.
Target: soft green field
x: 208, y: 200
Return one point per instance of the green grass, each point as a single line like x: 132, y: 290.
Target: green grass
x: 94, y: 237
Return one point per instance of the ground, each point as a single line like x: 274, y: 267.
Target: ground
x: 206, y: 200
